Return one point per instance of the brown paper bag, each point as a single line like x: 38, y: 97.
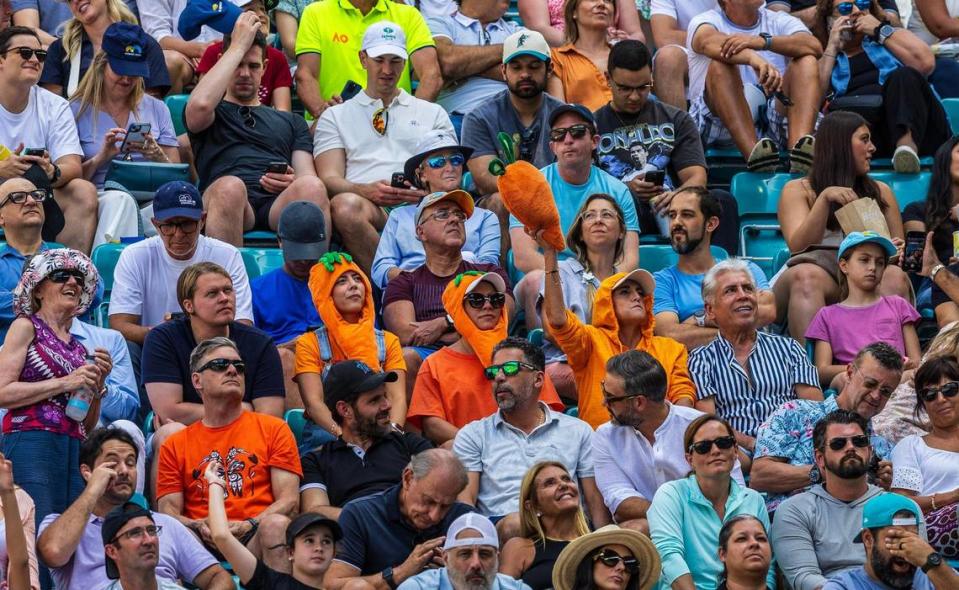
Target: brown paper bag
x: 862, y: 215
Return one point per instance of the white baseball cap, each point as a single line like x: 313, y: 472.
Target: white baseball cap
x: 384, y: 38
x: 473, y: 522
x: 525, y: 43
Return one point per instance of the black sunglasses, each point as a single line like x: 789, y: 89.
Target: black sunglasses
x: 860, y: 441
x: 577, y: 131
x: 612, y: 399
x: 221, y: 365
x: 948, y: 391
x: 248, y: 119
x: 478, y: 300
x: 611, y: 559
x: 509, y: 369
x: 723, y: 443
x: 20, y: 197
x: 62, y: 276
x: 27, y: 52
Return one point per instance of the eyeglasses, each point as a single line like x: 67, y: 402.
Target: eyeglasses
x: 509, y: 369
x: 444, y: 214
x: 221, y: 365
x: 578, y: 131
x: 248, y: 119
x: 723, y: 443
x: 62, y: 276
x: 948, y: 391
x: 437, y: 162
x: 873, y: 384
x: 611, y: 559
x: 845, y: 8
x: 612, y: 399
x: 381, y: 120
x: 20, y: 197
x: 27, y: 52
x: 169, y: 228
x: 478, y: 300
x: 860, y: 441
x: 605, y: 215
x: 138, y: 533
x: 627, y: 90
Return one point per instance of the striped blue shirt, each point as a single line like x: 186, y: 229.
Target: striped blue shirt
x: 745, y: 397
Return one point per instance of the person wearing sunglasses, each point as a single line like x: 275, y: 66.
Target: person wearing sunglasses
x: 926, y: 467
x: 684, y: 522
x: 812, y: 531
x: 880, y: 71
x: 34, y: 121
x: 257, y: 450
x: 805, y: 10
x: 451, y: 387
x: 610, y: 558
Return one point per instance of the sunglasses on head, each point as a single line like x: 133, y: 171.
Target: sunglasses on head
x: 860, y: 441
x: 845, y: 8
x: 478, y: 300
x: 20, y: 197
x: 948, y: 391
x: 221, y: 365
x: 509, y: 369
x: 27, y: 52
x: 611, y: 559
x: 722, y: 443
x: 437, y: 162
x: 578, y: 131
x: 62, y: 276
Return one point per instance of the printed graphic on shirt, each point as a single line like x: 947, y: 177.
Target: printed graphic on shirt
x: 629, y: 152
x: 240, y: 468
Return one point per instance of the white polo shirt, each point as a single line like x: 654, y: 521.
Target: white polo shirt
x: 369, y: 155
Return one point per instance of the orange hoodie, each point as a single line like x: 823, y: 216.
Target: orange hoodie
x: 588, y: 348
x: 481, y: 341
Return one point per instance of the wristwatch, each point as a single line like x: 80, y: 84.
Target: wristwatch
x: 767, y: 41
x: 700, y: 318
x: 934, y: 560
x: 56, y: 175
x: 388, y: 578
x: 883, y: 32
x: 814, y: 475
x: 449, y: 323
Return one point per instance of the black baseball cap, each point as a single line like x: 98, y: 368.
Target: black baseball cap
x: 309, y: 519
x: 576, y: 109
x: 349, y: 378
x: 113, y: 522
x: 302, y: 231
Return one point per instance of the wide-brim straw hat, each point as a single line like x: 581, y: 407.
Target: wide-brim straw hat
x: 650, y: 565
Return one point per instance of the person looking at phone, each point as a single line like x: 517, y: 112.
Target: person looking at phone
x: 235, y: 140
x: 362, y: 142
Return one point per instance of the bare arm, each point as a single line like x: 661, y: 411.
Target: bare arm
x: 427, y: 70
x: 666, y: 31
x: 172, y: 504
x: 396, y: 392
x: 479, y: 168
x: 462, y: 61
x: 307, y: 88
x: 283, y: 99
x: 554, y: 87
x: 766, y: 311
x: 516, y: 556
x: 774, y: 475
x: 129, y: 325
x: 18, y: 554
x: 286, y: 26
x: 631, y: 252
x: 822, y: 358
x: 801, y: 224
x: 286, y: 497
x: 925, y: 502
x: 684, y: 582
x: 628, y: 20
x: 168, y: 404
x: 892, y: 214
x: 317, y: 500
x: 242, y: 560
x: 188, y: 48
x: 934, y: 15
x: 809, y: 392
x: 438, y: 430
x: 471, y: 491
x: 912, y: 51
x: 311, y: 391
x: 632, y: 509
x: 554, y: 305
x: 398, y: 317
x: 535, y: 15
x: 269, y: 404
x: 598, y: 513
x: 30, y: 17
x: 60, y: 540
x: 690, y: 335
x: 214, y: 578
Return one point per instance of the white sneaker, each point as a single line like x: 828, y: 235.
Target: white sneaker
x: 905, y: 160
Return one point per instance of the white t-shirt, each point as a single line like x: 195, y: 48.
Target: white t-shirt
x: 681, y: 10
x: 775, y: 23
x: 160, y: 19
x: 369, y: 155
x: 144, y: 282
x: 46, y: 122
x: 922, y: 469
x: 919, y: 28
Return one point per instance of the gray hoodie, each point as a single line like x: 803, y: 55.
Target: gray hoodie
x: 812, y: 535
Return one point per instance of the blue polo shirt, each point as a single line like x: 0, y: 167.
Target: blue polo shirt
x: 376, y: 536
x: 283, y: 306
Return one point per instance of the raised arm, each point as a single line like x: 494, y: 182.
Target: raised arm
x: 242, y: 560
x: 18, y: 554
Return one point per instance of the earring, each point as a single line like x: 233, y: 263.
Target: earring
x: 538, y: 514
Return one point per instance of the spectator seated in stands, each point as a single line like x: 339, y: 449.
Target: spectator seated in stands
x: 805, y: 10
x: 392, y: 536
x: 639, y: 136
x: 469, y: 45
x: 679, y: 308
x: 745, y: 553
x: 310, y: 542
x: 258, y: 450
x: 807, y: 207
x: 34, y: 121
x: 547, y: 18
x: 131, y: 544
x: 240, y: 146
x: 451, y: 387
x: 784, y: 458
x: 842, y: 329
x: 46, y: 17
x: 437, y: 167
x: 144, y: 293
x: 934, y: 21
x: 550, y: 517
x: 471, y: 555
x: 772, y: 57
x: 18, y: 553
x: 161, y: 19
x: 275, y: 88
x: 610, y: 557
x: 811, y: 532
x: 208, y: 301
x: 642, y: 446
x: 332, y: 33
x: 286, y: 17
x: 622, y: 319
x: 343, y: 297
x: 498, y: 450
x: 83, y: 39
x: 573, y: 178
x: 868, y: 59
x: 744, y: 374
x: 70, y: 543
x: 669, y: 21
x: 109, y: 101
x: 684, y: 522
x: 899, y: 556
x: 412, y: 304
x: 336, y: 473
x: 362, y: 142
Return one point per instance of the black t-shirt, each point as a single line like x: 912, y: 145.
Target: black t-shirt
x: 942, y: 235
x: 166, y: 359
x: 863, y: 76
x: 265, y: 578
x: 346, y: 476
x: 243, y: 146
x: 794, y: 5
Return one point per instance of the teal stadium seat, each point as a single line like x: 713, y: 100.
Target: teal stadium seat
x: 176, y: 103
x: 260, y: 239
x: 655, y: 257
x: 760, y: 238
x: 105, y: 257
x: 259, y: 261
x: 952, y: 111
x: 908, y: 188
x: 296, y: 420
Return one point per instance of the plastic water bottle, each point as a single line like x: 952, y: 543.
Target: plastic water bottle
x: 79, y: 404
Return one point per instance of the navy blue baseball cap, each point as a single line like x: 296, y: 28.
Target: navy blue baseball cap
x: 177, y: 199
x: 125, y: 45
x: 219, y: 15
x: 576, y: 109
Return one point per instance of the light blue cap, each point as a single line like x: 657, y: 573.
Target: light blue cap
x: 865, y: 237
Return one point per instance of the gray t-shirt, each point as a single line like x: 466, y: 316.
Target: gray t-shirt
x: 481, y: 125
x: 858, y: 579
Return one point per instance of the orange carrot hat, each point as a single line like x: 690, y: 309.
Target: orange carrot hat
x: 481, y: 341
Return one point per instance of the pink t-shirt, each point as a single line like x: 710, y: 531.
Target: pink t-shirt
x: 849, y: 329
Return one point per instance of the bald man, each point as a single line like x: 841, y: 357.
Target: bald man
x: 22, y: 223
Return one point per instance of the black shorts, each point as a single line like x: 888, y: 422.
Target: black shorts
x: 261, y: 211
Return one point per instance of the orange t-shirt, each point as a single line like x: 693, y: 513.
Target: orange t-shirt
x: 307, y: 359
x: 451, y: 385
x: 248, y: 448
